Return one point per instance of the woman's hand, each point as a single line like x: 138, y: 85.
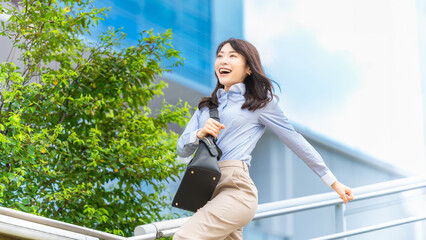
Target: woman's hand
x: 211, y: 127
x: 344, y: 192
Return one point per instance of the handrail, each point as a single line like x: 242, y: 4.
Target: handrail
x: 168, y: 228
x: 67, y: 226
x: 361, y: 193
x: 372, y: 228
x: 359, y: 196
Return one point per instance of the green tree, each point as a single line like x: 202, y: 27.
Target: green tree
x: 78, y: 142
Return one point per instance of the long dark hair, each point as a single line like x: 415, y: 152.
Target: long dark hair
x: 258, y: 86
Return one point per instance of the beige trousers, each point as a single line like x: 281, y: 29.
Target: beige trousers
x: 232, y: 206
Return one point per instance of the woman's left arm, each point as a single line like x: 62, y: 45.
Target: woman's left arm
x: 273, y: 117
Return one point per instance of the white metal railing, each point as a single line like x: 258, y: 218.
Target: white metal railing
x: 372, y: 228
x: 168, y: 228
x: 67, y: 226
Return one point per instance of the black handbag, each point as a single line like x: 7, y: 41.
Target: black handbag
x: 202, y: 174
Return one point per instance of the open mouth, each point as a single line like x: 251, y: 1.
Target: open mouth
x: 224, y: 71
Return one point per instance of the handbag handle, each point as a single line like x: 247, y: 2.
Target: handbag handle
x: 214, y: 114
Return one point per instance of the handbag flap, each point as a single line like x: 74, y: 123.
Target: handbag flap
x: 211, y: 146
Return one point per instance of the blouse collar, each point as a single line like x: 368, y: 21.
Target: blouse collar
x: 239, y: 89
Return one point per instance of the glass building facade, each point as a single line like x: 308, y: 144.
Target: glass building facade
x: 191, y: 24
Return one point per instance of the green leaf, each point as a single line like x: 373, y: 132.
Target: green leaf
x: 79, y: 142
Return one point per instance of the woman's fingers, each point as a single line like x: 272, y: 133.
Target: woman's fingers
x: 343, y: 191
x: 349, y: 194
x: 344, y: 198
x: 213, y: 127
x: 213, y: 131
x: 216, y: 123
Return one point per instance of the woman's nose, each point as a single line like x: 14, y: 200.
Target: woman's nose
x: 223, y: 59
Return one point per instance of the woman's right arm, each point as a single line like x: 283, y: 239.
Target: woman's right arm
x: 188, y: 141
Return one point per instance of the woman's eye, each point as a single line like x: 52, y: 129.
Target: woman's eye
x: 233, y: 55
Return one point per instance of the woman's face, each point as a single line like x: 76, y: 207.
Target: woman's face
x: 230, y: 67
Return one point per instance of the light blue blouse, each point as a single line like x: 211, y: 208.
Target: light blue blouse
x: 243, y: 128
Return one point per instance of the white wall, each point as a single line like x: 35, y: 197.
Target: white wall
x: 279, y: 174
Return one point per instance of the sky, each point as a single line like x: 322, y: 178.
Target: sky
x: 349, y: 70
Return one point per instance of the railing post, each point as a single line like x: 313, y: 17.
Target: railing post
x: 340, y: 218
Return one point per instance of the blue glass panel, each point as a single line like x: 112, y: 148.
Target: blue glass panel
x: 190, y: 21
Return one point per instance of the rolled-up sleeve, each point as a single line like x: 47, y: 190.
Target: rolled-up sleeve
x: 188, y: 141
x: 273, y: 117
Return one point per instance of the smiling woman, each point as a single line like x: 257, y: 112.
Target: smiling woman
x: 230, y: 67
x: 246, y: 106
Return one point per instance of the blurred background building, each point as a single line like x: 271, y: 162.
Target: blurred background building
x: 352, y: 80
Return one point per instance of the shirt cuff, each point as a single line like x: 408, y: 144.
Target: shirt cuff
x: 329, y: 178
x: 193, y: 138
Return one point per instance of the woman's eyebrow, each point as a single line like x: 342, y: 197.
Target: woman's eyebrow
x: 233, y: 51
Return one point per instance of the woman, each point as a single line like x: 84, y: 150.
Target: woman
x: 246, y: 105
